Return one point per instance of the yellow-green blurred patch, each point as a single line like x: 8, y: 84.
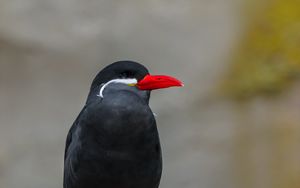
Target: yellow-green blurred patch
x: 267, y: 60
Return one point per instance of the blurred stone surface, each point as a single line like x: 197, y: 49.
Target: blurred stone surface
x: 50, y: 51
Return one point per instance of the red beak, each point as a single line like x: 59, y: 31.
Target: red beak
x: 150, y: 82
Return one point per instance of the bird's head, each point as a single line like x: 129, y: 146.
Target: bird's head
x: 131, y: 74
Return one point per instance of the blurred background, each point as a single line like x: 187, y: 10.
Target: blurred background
x: 235, y: 124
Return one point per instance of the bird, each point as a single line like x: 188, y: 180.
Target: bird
x: 114, y: 141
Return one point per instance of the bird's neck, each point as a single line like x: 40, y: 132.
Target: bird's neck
x: 95, y: 91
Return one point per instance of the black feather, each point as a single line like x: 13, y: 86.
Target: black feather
x: 114, y: 141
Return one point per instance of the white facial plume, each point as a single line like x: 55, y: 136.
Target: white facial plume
x: 128, y: 81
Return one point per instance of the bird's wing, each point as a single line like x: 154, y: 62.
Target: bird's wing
x: 68, y: 173
x: 69, y: 136
x: 69, y: 139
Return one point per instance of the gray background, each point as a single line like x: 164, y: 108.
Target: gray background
x: 50, y: 51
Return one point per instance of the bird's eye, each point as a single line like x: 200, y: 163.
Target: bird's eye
x: 126, y: 74
x: 122, y: 75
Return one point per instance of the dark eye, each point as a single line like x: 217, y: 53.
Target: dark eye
x: 126, y: 74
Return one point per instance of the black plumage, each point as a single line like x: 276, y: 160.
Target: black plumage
x: 114, y: 141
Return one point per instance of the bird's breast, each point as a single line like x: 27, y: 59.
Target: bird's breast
x: 120, y: 121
